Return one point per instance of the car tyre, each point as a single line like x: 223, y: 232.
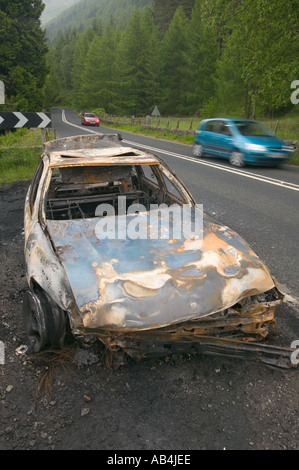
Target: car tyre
x: 237, y: 159
x: 198, y: 150
x: 45, y: 322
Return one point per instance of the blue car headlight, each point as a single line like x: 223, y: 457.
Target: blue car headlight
x: 256, y: 147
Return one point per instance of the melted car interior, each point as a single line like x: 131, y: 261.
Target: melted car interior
x: 76, y: 191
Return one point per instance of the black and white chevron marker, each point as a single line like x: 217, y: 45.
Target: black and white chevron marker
x: 14, y: 120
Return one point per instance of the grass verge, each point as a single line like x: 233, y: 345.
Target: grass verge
x: 19, y: 154
x: 294, y: 159
x: 136, y: 129
x: 17, y: 164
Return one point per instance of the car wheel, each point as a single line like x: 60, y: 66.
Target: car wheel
x: 44, y: 321
x: 198, y: 150
x: 237, y: 159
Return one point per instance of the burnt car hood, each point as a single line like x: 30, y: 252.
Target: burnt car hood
x: 151, y: 283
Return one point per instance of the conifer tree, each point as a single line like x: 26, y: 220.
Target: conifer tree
x: 165, y: 10
x: 53, y: 83
x: 22, y: 52
x: 203, y: 55
x: 176, y: 74
x: 106, y: 71
x: 81, y: 48
x: 90, y: 84
x: 139, y: 64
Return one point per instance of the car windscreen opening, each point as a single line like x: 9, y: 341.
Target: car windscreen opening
x: 77, y: 191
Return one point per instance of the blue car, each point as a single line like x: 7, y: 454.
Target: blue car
x: 240, y: 141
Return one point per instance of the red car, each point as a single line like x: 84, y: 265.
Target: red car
x: 90, y: 119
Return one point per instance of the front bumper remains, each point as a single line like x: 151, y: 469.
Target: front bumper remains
x: 232, y: 333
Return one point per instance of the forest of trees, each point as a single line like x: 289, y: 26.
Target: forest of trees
x: 23, y: 49
x: 188, y: 57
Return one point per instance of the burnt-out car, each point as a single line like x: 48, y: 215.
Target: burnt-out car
x: 97, y: 264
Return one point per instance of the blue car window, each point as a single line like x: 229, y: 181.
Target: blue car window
x: 253, y: 129
x: 210, y: 126
x: 224, y: 129
x: 218, y: 127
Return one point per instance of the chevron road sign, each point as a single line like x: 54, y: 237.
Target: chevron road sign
x: 13, y: 120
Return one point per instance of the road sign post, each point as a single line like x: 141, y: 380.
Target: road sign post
x: 156, y: 113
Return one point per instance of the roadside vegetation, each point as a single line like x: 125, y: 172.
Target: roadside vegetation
x: 19, y: 154
x: 192, y: 58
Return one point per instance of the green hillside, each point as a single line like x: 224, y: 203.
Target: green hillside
x: 83, y: 13
x: 54, y: 8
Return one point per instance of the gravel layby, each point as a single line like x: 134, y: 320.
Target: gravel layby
x: 73, y: 401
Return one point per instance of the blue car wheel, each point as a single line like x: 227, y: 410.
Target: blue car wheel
x: 237, y: 159
x: 198, y: 150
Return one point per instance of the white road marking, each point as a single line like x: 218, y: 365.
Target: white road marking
x: 217, y: 166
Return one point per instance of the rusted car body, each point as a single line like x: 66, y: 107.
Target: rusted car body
x: 143, y: 296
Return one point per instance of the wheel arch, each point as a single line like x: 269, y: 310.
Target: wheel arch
x: 43, y: 317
